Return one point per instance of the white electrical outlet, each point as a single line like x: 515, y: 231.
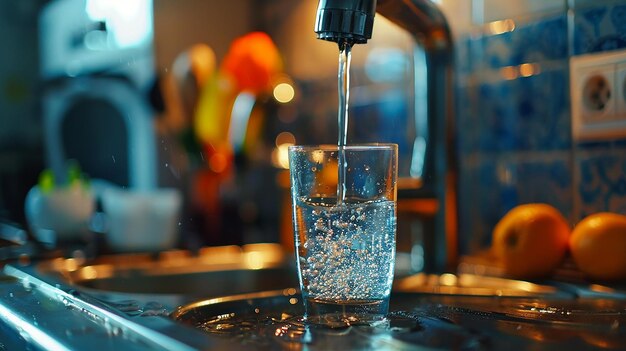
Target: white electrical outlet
x: 598, y: 96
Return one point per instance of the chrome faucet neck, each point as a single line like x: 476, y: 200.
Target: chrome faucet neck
x: 352, y: 20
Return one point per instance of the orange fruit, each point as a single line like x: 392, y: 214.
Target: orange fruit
x: 598, y: 246
x: 531, y: 240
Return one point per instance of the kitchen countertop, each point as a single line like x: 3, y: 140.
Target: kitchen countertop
x: 44, y: 311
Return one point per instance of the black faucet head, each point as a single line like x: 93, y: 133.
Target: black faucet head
x: 345, y: 20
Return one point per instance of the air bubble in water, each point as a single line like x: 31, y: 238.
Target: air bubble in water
x: 346, y: 260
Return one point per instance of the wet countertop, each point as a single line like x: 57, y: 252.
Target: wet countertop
x: 64, y: 305
x: 419, y: 321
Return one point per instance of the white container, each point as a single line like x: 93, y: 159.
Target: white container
x: 142, y: 220
x: 59, y: 214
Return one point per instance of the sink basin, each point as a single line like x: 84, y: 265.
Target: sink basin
x: 214, y: 271
x: 274, y: 320
x: 207, y: 283
x: 233, y: 270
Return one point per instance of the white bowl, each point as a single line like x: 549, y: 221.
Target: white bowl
x: 142, y: 220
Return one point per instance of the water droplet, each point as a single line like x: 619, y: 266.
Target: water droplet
x: 319, y: 224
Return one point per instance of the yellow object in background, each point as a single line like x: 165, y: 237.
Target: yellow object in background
x: 248, y: 69
x: 531, y: 240
x: 598, y: 246
x: 213, y: 112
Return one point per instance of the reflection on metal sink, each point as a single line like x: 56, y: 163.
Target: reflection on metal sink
x: 232, y: 270
x: 474, y: 285
x: 214, y: 271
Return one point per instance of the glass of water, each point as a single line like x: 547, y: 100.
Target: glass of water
x: 345, y: 237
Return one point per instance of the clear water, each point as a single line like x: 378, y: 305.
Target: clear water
x: 270, y: 330
x: 345, y: 252
x: 344, y: 97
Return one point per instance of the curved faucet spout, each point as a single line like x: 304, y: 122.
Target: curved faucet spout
x: 352, y: 20
x: 423, y: 19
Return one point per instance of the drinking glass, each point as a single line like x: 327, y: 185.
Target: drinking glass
x: 345, y: 247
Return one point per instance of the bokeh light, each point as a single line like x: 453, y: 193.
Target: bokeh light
x: 284, y: 93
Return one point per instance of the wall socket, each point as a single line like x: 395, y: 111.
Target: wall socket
x: 598, y: 96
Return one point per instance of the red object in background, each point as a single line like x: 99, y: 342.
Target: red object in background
x: 206, y: 207
x: 253, y: 60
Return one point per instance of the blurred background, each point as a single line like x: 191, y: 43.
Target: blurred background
x: 203, y: 97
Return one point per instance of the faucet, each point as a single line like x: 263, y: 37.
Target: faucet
x: 352, y: 21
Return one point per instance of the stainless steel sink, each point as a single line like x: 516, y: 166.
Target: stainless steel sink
x: 144, y: 296
x: 214, y: 271
x: 474, y: 285
x: 232, y: 270
x: 126, y: 299
x: 207, y: 283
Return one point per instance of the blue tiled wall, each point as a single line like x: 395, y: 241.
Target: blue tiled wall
x: 600, y: 28
x: 600, y: 170
x: 514, y: 131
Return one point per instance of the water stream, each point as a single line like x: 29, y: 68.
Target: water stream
x: 345, y: 48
